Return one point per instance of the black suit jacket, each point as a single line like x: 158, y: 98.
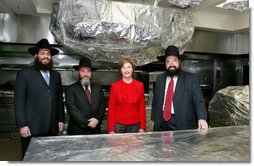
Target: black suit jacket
x: 37, y: 105
x: 80, y: 109
x: 188, y: 101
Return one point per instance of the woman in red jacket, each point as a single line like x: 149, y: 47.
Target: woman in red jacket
x: 126, y: 108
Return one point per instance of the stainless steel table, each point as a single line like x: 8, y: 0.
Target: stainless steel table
x: 230, y: 143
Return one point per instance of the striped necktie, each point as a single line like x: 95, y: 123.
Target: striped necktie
x: 88, y: 93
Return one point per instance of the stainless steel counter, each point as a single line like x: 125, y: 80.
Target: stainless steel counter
x: 230, y: 143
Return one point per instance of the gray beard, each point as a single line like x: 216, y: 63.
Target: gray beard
x: 85, y: 82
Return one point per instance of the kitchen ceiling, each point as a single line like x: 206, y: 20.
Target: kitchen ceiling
x: 26, y: 7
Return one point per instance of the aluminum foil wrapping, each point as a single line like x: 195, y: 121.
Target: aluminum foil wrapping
x: 185, y: 3
x: 230, y: 107
x: 105, y: 30
x: 238, y: 5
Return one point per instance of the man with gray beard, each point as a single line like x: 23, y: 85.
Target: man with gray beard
x: 38, y: 97
x: 85, y: 102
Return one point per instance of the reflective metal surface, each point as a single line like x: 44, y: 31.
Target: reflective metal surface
x: 218, y: 144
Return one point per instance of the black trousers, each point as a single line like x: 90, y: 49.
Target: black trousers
x: 86, y: 131
x: 24, y: 145
x: 170, y: 125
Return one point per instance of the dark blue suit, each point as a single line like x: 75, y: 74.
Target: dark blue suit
x: 37, y: 105
x: 188, y: 102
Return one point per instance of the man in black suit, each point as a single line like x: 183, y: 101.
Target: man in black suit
x: 187, y: 110
x: 38, y: 98
x: 85, y: 102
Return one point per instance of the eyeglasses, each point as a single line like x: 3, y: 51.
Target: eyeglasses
x: 44, y: 53
x: 172, y: 62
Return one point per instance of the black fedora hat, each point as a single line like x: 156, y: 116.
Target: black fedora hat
x: 170, y: 51
x: 84, y: 62
x: 43, y: 43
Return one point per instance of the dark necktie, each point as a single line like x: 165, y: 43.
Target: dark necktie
x: 88, y: 93
x: 46, y: 77
x: 169, y: 100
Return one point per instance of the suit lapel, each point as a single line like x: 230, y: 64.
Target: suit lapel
x: 51, y: 78
x: 179, y: 84
x: 164, y: 78
x: 93, y: 91
x: 42, y: 78
x: 162, y: 87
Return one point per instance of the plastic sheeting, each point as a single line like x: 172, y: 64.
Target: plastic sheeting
x: 105, y: 30
x: 230, y: 107
x: 218, y: 144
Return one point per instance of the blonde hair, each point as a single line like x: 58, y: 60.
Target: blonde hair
x: 125, y: 60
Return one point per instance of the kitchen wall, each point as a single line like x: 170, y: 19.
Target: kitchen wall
x: 29, y: 29
x: 218, y: 58
x: 19, y: 32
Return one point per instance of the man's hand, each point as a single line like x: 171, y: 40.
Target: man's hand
x: 202, y: 124
x: 141, y: 131
x: 25, y: 132
x: 60, y: 126
x: 92, y: 122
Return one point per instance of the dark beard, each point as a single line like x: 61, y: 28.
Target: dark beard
x: 173, y: 72
x: 38, y: 65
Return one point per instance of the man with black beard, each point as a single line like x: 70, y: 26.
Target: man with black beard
x: 85, y: 102
x: 178, y: 102
x: 38, y: 98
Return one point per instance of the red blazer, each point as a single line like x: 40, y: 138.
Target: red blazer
x: 126, y: 104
